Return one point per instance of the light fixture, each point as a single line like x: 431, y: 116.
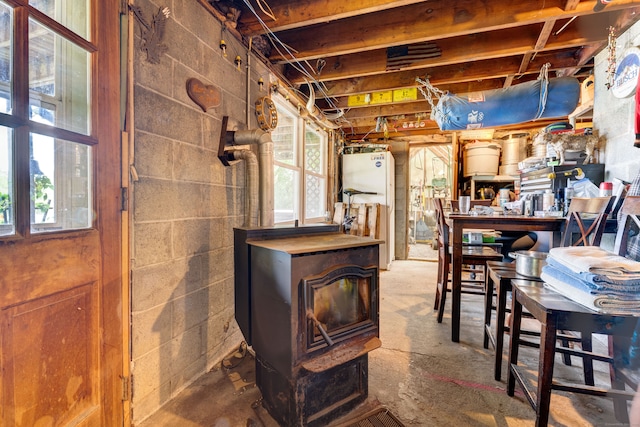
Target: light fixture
x: 223, y: 47
x: 261, y: 84
x: 238, y: 62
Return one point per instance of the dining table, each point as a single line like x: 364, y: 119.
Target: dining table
x: 457, y: 222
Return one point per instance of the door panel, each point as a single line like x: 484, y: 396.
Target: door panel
x: 51, y: 349
x: 62, y: 315
x: 33, y: 270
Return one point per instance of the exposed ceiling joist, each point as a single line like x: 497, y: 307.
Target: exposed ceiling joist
x: 462, y: 46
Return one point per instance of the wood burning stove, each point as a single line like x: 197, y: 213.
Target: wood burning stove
x: 307, y: 302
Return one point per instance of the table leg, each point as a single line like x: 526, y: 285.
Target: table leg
x: 618, y: 345
x: 514, y: 342
x: 488, y: 302
x: 501, y: 307
x: 587, y: 363
x: 548, y: 339
x: 456, y: 281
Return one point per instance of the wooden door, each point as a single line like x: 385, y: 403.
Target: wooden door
x: 61, y: 304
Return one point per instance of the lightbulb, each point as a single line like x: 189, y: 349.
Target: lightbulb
x: 223, y: 46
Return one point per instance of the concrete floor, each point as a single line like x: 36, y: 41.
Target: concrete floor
x: 422, y: 377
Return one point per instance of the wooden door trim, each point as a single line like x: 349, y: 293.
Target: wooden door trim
x: 106, y: 15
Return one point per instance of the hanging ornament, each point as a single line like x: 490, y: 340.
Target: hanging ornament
x: 611, y: 59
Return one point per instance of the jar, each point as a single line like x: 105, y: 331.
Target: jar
x: 568, y: 195
x: 606, y: 189
x: 547, y: 201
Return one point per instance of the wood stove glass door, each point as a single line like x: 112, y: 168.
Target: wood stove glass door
x: 340, y: 304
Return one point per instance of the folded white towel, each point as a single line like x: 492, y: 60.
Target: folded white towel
x: 610, y: 304
x: 595, y: 260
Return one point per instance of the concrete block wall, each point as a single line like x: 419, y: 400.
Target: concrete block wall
x: 185, y: 205
x: 614, y: 117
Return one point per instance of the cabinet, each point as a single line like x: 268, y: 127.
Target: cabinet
x: 473, y: 184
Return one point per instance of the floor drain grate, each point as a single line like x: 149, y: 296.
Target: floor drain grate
x: 380, y: 417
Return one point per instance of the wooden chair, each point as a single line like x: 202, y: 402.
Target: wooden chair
x: 555, y: 310
x: 621, y: 369
x: 471, y: 255
x: 583, y: 226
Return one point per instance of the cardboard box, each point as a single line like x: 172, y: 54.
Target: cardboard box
x: 472, y: 237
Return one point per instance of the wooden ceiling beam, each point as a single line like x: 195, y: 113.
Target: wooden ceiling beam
x: 362, y: 134
x: 545, y: 34
x: 621, y: 23
x: 404, y: 108
x: 512, y: 41
x: 429, y: 21
x: 302, y: 13
x: 447, y: 75
x: 458, y: 88
x: 571, y: 4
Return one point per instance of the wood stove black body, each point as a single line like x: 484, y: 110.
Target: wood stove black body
x: 310, y: 312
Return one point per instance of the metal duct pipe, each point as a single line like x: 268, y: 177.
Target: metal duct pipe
x: 265, y: 160
x: 251, y: 208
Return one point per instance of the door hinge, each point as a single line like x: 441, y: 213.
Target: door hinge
x: 127, y: 388
x: 125, y: 199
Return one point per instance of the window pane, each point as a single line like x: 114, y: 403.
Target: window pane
x: 7, y: 214
x: 70, y: 13
x: 6, y: 29
x: 61, y: 197
x: 285, y: 194
x: 64, y: 96
x: 315, y: 205
x: 313, y: 152
x: 283, y: 137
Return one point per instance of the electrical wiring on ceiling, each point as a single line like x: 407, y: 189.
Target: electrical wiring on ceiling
x: 289, y: 52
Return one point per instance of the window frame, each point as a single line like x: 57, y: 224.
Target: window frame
x: 23, y: 127
x: 299, y: 167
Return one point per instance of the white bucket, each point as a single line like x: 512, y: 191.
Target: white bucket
x: 481, y: 158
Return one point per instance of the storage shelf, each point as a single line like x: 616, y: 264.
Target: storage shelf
x: 477, y: 181
x: 582, y: 112
x: 493, y: 178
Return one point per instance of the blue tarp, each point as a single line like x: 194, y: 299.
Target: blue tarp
x: 516, y: 104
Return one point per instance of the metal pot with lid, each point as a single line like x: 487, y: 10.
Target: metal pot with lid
x: 486, y: 193
x: 529, y: 263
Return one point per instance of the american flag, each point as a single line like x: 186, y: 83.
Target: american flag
x: 399, y: 57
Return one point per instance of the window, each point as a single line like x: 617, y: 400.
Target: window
x: 300, y: 167
x: 45, y: 117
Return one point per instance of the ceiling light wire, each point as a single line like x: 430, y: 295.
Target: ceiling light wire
x: 295, y: 63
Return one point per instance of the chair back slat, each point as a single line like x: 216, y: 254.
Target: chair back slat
x: 595, y: 209
x: 443, y: 229
x: 630, y: 223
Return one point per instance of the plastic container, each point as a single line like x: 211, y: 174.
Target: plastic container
x: 548, y: 201
x: 481, y: 158
x: 606, y: 189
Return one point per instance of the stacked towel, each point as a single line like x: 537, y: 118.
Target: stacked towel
x: 580, y: 292
x: 595, y: 278
x: 599, y: 282
x: 596, y: 260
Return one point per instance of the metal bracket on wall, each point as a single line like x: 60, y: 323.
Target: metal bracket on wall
x: 226, y: 138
